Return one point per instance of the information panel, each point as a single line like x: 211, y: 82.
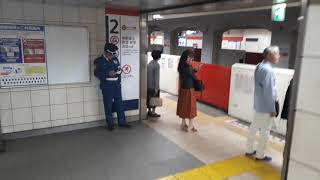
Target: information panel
x: 123, y: 31
x: 22, y: 55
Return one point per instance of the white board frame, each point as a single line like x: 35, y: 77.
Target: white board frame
x: 54, y: 74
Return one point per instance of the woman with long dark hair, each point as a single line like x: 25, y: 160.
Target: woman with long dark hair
x: 187, y: 102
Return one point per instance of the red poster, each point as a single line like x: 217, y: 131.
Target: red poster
x: 33, y: 51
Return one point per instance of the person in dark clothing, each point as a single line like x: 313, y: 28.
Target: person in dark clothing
x: 153, y: 76
x: 286, y: 104
x: 187, y: 103
x: 108, y: 71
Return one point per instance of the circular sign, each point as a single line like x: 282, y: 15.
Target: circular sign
x: 126, y: 69
x: 114, y: 40
x: 124, y: 27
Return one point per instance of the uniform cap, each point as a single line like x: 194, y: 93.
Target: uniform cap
x: 110, y: 48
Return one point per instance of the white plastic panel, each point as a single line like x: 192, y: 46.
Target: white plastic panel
x: 67, y: 54
x: 242, y: 93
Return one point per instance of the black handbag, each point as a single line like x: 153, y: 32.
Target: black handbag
x: 277, y: 108
x: 198, y: 85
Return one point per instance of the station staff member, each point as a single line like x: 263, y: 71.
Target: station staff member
x: 265, y: 100
x: 108, y: 71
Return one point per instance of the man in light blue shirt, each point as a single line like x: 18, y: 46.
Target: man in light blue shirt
x: 265, y: 98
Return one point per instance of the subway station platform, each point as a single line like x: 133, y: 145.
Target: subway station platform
x: 150, y: 150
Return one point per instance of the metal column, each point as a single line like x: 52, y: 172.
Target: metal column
x: 143, y: 64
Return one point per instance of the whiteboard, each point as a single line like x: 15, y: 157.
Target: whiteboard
x: 67, y: 50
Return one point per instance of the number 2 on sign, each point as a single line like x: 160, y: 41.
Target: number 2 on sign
x: 113, y: 30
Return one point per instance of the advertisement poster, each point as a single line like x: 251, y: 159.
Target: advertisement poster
x: 33, y: 50
x: 123, y: 31
x: 10, y: 50
x: 22, y: 55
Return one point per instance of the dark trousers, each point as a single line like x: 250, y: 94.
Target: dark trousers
x: 111, y: 92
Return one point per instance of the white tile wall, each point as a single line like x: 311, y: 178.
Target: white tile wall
x: 76, y: 120
x: 70, y: 14
x: 37, y: 88
x: 93, y: 47
x: 22, y: 127
x: 7, y: 129
x: 100, y: 32
x: 40, y: 125
x: 5, y: 101
x: 92, y: 31
x: 74, y: 95
x: 91, y: 93
x: 40, y: 98
x: 309, y: 87
x: 60, y: 122
x: 20, y: 89
x: 59, y: 112
x: 75, y: 110
x: 101, y: 107
x: 91, y: 108
x: 306, y: 127
x: 4, y: 90
x: 58, y: 96
x: 6, y: 117
x: 312, y: 37
x: 53, y: 13
x: 54, y: 105
x: 101, y: 16
x: 22, y: 116
x: 33, y: 11
x: 298, y: 171
x: 21, y: 99
x: 92, y: 118
x: 41, y: 113
x: 88, y: 15
x: 12, y: 9
x: 59, y: 86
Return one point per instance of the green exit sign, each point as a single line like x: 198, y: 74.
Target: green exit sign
x: 279, y: 12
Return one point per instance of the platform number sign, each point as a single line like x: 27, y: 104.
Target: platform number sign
x: 114, y: 32
x: 279, y: 12
x: 122, y: 30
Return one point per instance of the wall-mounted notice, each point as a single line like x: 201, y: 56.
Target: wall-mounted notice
x: 123, y: 31
x: 22, y: 55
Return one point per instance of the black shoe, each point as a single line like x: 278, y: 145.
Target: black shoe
x: 110, y: 128
x: 127, y: 126
x: 251, y: 154
x: 155, y: 115
x: 149, y: 113
x: 266, y: 158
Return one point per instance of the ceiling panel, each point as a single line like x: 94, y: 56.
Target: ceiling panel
x: 165, y: 6
x: 143, y: 5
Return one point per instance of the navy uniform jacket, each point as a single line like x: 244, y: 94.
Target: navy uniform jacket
x: 103, y: 67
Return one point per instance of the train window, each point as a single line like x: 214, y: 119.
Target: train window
x: 157, y: 37
x: 190, y: 38
x: 249, y: 40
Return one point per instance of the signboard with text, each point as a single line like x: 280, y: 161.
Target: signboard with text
x: 123, y: 31
x: 22, y: 55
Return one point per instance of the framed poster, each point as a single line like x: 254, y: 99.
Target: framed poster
x: 22, y: 55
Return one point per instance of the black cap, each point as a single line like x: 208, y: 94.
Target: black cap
x: 110, y: 48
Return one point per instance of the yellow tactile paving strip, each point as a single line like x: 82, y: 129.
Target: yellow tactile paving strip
x: 227, y: 169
